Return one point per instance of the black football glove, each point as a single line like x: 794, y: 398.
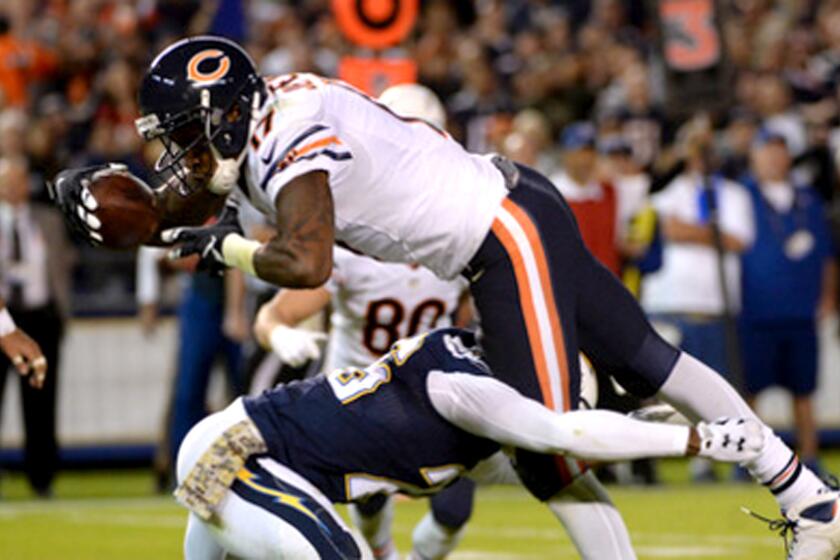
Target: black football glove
x: 70, y: 191
x: 207, y: 241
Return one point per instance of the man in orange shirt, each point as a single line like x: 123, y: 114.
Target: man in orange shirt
x: 21, y: 62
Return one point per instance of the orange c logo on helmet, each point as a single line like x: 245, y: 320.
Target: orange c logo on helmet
x: 194, y: 74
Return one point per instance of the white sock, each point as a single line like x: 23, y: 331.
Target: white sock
x: 376, y: 530
x: 700, y: 393
x: 779, y: 469
x: 433, y: 541
x: 592, y: 521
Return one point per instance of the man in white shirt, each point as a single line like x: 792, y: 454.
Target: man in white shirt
x: 686, y: 294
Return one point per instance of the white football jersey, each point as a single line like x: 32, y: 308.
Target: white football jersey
x: 403, y: 190
x: 375, y: 304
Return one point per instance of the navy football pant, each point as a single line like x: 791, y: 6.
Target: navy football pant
x: 541, y: 296
x: 452, y: 507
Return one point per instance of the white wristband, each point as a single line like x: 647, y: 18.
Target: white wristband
x: 7, y: 324
x: 238, y: 252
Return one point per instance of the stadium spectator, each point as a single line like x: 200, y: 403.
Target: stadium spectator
x: 480, y: 103
x: 35, y: 265
x: 631, y: 181
x: 13, y: 126
x: 529, y: 141
x: 773, y: 101
x: 789, y: 280
x: 686, y: 293
x: 23, y: 61
x: 593, y: 201
x: 736, y: 140
x: 638, y: 233
x: 640, y: 120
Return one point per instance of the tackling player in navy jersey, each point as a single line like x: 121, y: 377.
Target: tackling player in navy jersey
x: 328, y: 164
x: 259, y: 477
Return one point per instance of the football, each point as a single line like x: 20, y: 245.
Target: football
x: 126, y: 209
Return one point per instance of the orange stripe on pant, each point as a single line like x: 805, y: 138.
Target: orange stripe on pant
x: 528, y: 304
x: 548, y: 291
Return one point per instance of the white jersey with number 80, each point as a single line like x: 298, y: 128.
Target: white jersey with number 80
x: 375, y: 304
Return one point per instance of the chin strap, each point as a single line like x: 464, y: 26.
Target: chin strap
x: 226, y: 175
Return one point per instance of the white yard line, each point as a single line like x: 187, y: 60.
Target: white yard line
x: 688, y: 551
x: 711, y: 538
x: 485, y: 555
x: 38, y: 506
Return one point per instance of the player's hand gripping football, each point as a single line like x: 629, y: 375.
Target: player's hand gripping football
x: 26, y: 356
x: 733, y: 440
x: 206, y: 241
x: 71, y: 193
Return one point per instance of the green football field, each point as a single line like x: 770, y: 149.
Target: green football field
x: 114, y: 515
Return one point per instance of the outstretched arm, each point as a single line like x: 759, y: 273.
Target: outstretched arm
x: 276, y: 321
x: 487, y: 407
x: 300, y: 255
x: 286, y: 310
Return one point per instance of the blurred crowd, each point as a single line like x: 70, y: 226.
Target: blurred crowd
x: 575, y: 88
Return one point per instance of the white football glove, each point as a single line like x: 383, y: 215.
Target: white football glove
x: 296, y: 346
x: 733, y: 440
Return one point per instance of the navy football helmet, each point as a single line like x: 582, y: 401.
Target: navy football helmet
x: 198, y: 96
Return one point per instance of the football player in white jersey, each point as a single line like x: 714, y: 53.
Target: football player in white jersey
x: 329, y: 164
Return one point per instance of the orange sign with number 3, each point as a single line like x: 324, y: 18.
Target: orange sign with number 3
x: 691, y: 40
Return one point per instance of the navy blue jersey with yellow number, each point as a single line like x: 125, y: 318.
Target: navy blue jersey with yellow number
x: 357, y: 432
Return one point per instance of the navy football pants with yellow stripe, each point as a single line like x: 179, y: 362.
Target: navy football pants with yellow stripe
x: 541, y: 296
